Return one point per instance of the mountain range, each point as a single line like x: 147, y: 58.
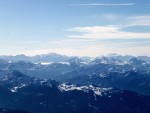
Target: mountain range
x: 54, y: 83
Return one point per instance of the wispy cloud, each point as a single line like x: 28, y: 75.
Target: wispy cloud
x: 106, y: 32
x: 104, y: 4
x: 139, y: 20
x: 114, y: 31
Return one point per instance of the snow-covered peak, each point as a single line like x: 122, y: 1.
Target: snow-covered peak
x: 106, y: 60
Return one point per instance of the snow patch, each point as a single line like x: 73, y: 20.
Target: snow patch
x: 14, y: 89
x: 96, y: 90
x: 67, y: 63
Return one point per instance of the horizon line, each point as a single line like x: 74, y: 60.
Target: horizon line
x: 110, y: 54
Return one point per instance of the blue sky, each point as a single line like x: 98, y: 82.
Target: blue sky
x: 75, y: 27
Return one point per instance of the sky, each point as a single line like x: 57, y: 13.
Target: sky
x: 75, y: 27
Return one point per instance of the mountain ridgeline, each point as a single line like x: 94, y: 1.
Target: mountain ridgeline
x: 54, y: 83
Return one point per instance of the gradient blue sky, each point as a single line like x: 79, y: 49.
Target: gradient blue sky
x: 75, y: 27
